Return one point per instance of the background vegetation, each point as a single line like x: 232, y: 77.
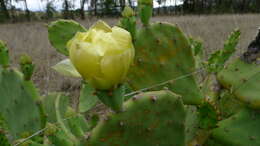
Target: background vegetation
x: 8, y: 11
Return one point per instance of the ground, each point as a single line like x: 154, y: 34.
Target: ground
x: 32, y: 38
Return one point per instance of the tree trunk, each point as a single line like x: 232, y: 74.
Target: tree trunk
x: 95, y: 3
x: 130, y: 3
x: 66, y: 9
x: 3, y: 9
x: 258, y: 5
x: 82, y: 11
x: 122, y: 4
x: 27, y: 11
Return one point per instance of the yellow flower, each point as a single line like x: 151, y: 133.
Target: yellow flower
x: 102, y: 55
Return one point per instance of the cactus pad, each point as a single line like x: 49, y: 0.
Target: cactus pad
x: 163, y: 53
x: 152, y: 118
x: 49, y: 106
x: 61, y: 31
x: 17, y: 106
x: 243, y: 80
x: 4, y: 54
x: 242, y: 129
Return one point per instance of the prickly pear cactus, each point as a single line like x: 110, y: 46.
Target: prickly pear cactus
x: 4, y: 57
x: 48, y: 102
x: 163, y: 53
x: 191, y: 123
x: 227, y: 104
x: 17, y: 106
x: 145, y: 9
x: 61, y: 31
x: 241, y: 129
x: 3, y: 139
x: 57, y: 136
x: 243, y: 80
x: 218, y: 59
x: 77, y: 123
x: 128, y: 21
x: 159, y: 115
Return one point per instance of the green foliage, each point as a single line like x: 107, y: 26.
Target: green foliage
x: 159, y: 115
x: 26, y: 66
x: 77, y: 123
x: 198, y: 52
x: 191, y: 123
x: 66, y: 68
x: 48, y: 102
x: 145, y: 13
x: 3, y: 139
x: 128, y: 12
x: 242, y: 79
x: 17, y: 106
x: 207, y: 116
x: 59, y: 103
x: 93, y: 121
x: 163, y: 53
x: 113, y: 99
x: 88, y: 98
x: 4, y: 55
x: 217, y: 60
x: 128, y: 21
x: 61, y: 31
x: 241, y: 129
x: 59, y: 138
x: 227, y: 104
x: 165, y: 59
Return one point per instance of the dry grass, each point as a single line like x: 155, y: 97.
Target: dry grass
x: 32, y: 38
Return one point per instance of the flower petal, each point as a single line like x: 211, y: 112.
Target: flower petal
x: 66, y: 68
x: 86, y: 59
x: 122, y: 37
x: 101, y: 25
x: 115, y: 66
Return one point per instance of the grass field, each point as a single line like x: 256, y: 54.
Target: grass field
x: 32, y: 38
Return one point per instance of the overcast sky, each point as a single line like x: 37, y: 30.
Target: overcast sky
x: 39, y: 5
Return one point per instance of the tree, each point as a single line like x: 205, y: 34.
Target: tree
x: 82, y: 11
x: 122, y: 4
x: 67, y: 13
x: 50, y: 9
x: 4, y: 14
x: 93, y: 4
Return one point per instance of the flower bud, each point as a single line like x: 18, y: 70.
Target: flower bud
x: 128, y: 12
x: 102, y: 55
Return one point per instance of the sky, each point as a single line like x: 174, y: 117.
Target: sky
x: 39, y: 5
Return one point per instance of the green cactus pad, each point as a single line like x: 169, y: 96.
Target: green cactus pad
x: 227, y: 104
x: 163, y: 53
x: 87, y: 98
x: 243, y: 80
x: 26, y: 66
x: 217, y: 60
x: 145, y: 13
x: 152, y: 118
x: 242, y: 129
x: 59, y: 138
x: 61, y: 31
x: 3, y: 139
x: 77, y: 123
x: 191, y: 123
x: 4, y: 55
x: 17, y: 106
x: 128, y: 12
x: 49, y: 106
